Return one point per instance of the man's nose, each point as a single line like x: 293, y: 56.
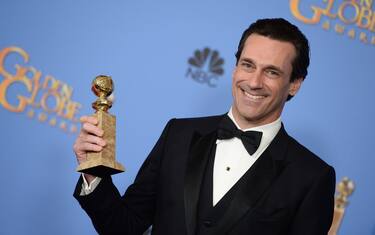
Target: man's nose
x: 256, y: 80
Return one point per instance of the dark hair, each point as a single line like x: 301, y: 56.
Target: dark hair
x: 282, y: 30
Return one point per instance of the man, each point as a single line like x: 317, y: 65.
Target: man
x: 206, y: 176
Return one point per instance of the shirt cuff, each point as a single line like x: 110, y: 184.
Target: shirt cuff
x: 89, y: 188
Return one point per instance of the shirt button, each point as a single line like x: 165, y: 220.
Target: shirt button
x: 207, y: 223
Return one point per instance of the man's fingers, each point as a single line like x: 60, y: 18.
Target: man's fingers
x: 89, y: 119
x: 89, y: 125
x: 94, y: 140
x: 91, y: 147
x: 83, y: 147
x: 85, y: 138
x: 89, y: 139
x: 92, y: 129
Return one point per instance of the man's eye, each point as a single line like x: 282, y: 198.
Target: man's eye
x: 246, y: 65
x: 273, y: 73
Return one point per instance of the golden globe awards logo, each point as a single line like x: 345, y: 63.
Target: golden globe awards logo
x: 205, y: 67
x: 354, y: 19
x: 25, y: 91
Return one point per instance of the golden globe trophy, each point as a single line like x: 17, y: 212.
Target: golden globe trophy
x: 344, y: 189
x: 103, y: 163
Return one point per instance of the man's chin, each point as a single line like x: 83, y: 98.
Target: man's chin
x: 250, y: 117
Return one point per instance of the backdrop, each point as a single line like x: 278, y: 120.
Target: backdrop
x: 168, y: 59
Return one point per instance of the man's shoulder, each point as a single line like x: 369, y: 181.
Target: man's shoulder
x: 206, y: 123
x: 203, y: 119
x: 304, y: 158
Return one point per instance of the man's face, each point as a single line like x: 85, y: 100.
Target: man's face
x: 261, y: 81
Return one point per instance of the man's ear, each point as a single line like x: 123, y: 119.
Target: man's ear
x: 294, y: 86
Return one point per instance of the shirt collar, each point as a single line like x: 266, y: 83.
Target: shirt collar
x: 269, y: 131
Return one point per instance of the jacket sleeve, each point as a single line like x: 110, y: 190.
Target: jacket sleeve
x: 315, y: 214
x: 133, y: 212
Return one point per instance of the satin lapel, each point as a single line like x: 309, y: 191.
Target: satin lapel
x: 198, y: 158
x: 255, y: 182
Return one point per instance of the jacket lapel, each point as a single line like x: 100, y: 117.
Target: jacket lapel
x: 255, y: 183
x: 196, y: 165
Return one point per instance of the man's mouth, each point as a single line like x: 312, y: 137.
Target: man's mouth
x: 253, y: 96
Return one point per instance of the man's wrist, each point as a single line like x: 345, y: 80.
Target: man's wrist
x: 89, y: 186
x: 88, y: 178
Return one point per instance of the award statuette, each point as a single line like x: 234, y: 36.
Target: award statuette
x: 344, y: 189
x: 103, y: 163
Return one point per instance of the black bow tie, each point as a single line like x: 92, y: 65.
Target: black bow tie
x: 250, y: 139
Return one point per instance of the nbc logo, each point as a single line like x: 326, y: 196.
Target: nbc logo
x: 205, y: 66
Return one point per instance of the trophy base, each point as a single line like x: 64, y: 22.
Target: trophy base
x: 103, y: 163
x: 100, y: 169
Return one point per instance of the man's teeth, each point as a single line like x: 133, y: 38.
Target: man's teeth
x: 253, y: 96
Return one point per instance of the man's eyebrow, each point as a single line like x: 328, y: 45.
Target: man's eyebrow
x: 270, y: 66
x: 274, y: 67
x: 247, y: 60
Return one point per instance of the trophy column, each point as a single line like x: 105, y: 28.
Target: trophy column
x: 103, y: 163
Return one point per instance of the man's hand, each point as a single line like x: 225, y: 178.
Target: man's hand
x: 89, y: 140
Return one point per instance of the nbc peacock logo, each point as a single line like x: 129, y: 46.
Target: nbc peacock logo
x: 205, y: 67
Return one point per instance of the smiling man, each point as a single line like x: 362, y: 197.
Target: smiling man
x: 237, y: 173
x: 261, y: 80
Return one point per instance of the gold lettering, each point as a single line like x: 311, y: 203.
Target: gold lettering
x: 327, y: 11
x: 66, y: 91
x: 31, y: 113
x: 317, y: 12
x: 42, y: 117
x: 339, y: 29
x: 67, y: 108
x: 63, y: 125
x: 73, y: 128
x: 35, y: 81
x: 52, y: 122
x: 372, y: 25
x: 342, y: 9
x: 71, y: 109
x: 326, y: 25
x: 51, y: 83
x: 4, y: 53
x: 56, y: 99
x: 44, y: 101
x: 22, y: 100
x: 368, y: 3
x: 351, y: 33
x: 365, y: 14
x: 363, y: 37
x: 61, y: 105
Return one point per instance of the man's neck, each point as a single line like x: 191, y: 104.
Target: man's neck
x: 245, y: 124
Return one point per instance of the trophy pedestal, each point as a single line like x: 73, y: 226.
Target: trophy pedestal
x: 103, y: 163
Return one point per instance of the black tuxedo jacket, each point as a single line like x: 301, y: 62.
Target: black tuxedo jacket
x: 289, y: 189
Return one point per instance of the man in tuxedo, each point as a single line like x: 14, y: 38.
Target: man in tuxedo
x: 237, y: 173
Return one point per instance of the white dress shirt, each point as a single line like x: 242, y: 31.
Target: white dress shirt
x: 232, y: 160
